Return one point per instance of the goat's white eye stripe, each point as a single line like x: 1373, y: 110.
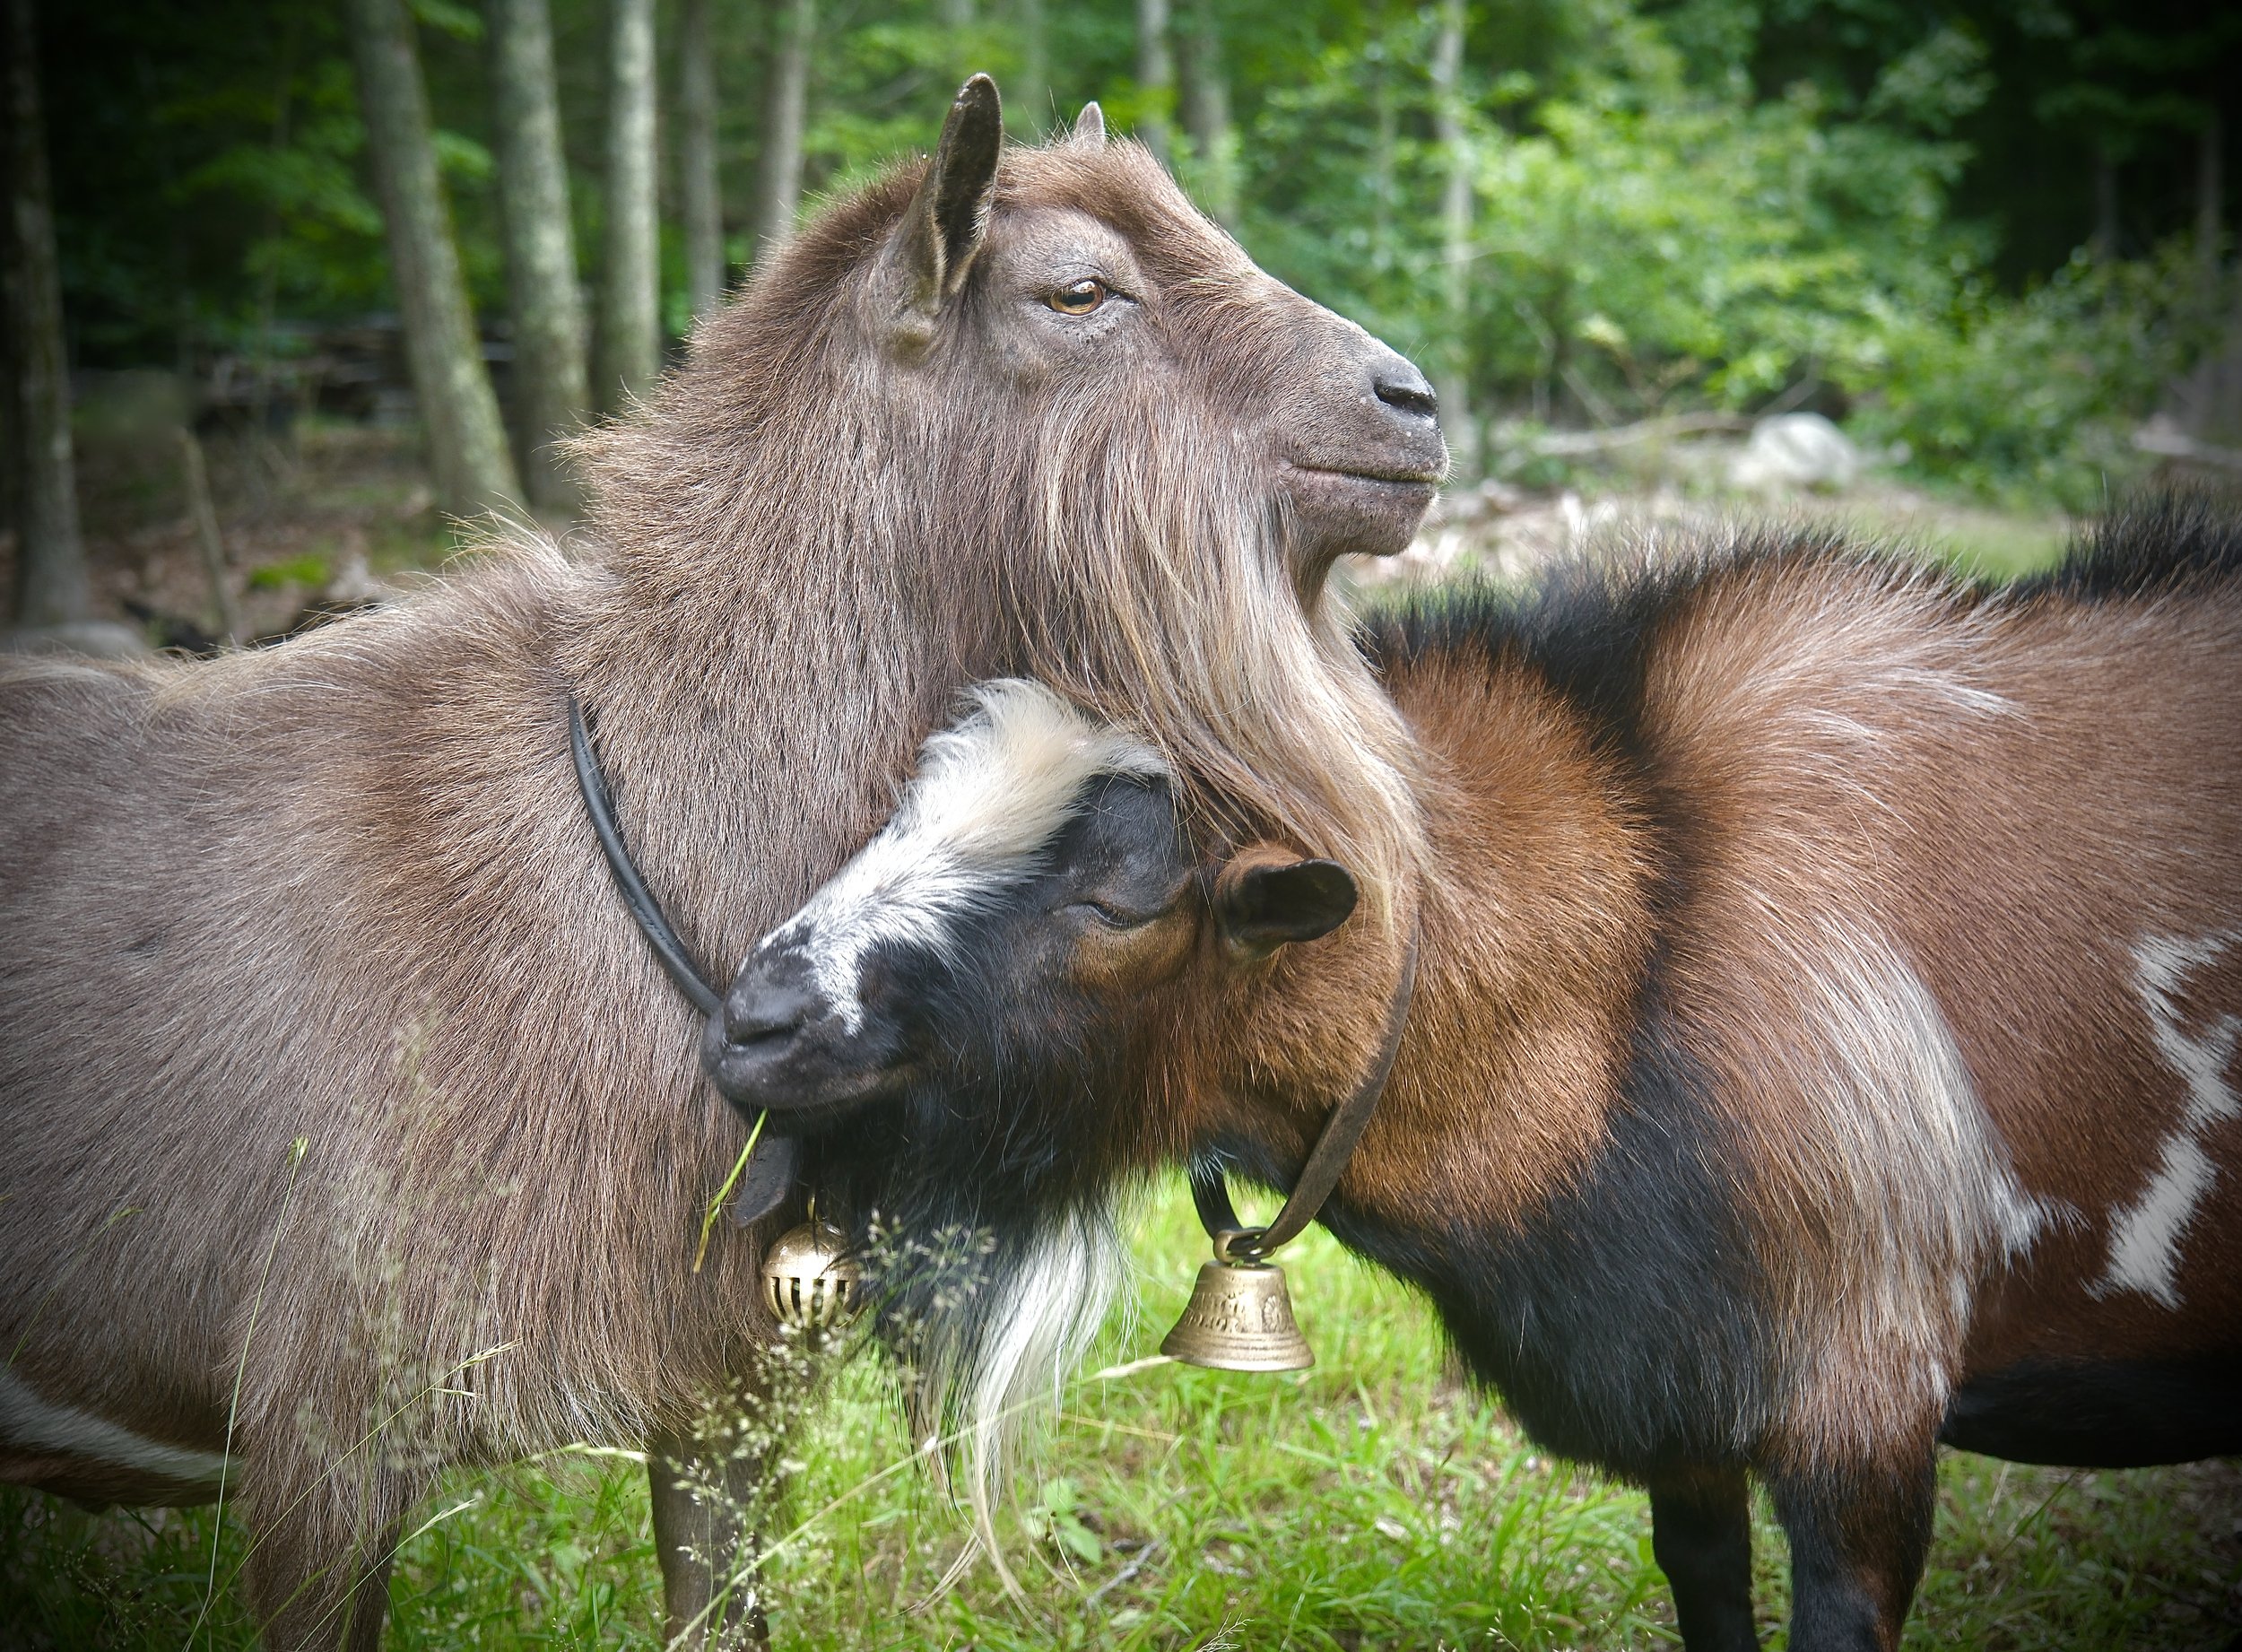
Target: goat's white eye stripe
x: 991, y: 792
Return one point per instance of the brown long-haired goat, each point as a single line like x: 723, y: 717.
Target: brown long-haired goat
x: 1824, y: 1044
x: 1003, y: 411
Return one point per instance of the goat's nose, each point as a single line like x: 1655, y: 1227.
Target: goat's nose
x: 765, y: 1010
x: 1400, y: 387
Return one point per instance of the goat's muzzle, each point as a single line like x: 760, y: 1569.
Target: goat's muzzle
x: 778, y: 1042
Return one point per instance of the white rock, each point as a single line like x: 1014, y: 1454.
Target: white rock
x: 1796, y: 450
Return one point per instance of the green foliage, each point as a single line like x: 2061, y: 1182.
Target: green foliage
x: 310, y: 569
x: 2039, y: 397
x: 1650, y: 236
x: 1690, y: 206
x: 320, y: 238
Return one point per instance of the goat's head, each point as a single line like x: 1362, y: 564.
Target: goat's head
x: 1024, y: 951
x: 1029, y: 988
x: 1033, y: 402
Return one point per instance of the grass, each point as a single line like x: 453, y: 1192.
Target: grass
x: 1372, y: 1502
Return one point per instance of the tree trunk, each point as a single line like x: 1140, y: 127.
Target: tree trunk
x: 194, y: 474
x: 2211, y: 184
x: 786, y: 102
x: 1206, y: 113
x: 268, y: 278
x: 50, y: 572
x: 11, y: 465
x: 1155, y: 76
x: 2103, y: 243
x: 629, y: 275
x: 1030, y: 108
x: 1454, y: 378
x: 467, y: 439
x: 1385, y: 141
x: 552, y: 387
x: 698, y: 190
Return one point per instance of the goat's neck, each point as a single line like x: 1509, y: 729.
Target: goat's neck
x: 755, y: 728
x: 1537, y: 933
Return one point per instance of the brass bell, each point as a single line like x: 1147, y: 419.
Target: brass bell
x: 810, y: 1281
x: 1239, y: 1318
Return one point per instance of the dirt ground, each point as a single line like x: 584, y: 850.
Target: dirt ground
x: 322, y: 518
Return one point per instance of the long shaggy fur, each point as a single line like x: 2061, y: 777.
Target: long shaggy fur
x: 341, y: 893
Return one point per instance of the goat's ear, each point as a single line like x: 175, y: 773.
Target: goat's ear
x: 948, y: 218
x: 1264, y: 901
x: 1090, y: 126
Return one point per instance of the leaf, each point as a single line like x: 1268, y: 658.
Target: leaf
x: 448, y: 17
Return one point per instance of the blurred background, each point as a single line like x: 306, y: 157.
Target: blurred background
x: 293, y: 284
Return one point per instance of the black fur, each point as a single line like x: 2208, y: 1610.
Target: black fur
x: 2148, y: 549
x: 1012, y: 1127
x: 2102, y: 1414
x: 1626, y: 1324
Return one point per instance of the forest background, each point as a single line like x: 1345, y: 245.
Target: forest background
x: 1991, y: 239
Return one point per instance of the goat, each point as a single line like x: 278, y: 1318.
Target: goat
x: 1823, y: 1046
x: 352, y: 1131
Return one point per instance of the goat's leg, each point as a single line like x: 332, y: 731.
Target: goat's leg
x: 1700, y: 1531
x: 310, y: 1595
x: 1859, y: 1536
x: 704, y: 1499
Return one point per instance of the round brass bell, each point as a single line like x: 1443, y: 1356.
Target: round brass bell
x: 810, y: 1281
x: 1239, y: 1318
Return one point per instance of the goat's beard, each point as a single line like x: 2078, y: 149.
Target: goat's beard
x: 987, y: 1281
x: 1171, y: 607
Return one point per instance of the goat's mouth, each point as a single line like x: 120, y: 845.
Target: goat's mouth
x: 1363, y: 509
x: 807, y: 1075
x: 808, y: 1103
x: 1414, y: 477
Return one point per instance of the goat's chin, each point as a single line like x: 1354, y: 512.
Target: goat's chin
x: 1339, y: 512
x: 820, y: 1109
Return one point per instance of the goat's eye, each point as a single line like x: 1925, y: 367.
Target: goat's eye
x: 1111, y: 917
x: 1079, y: 299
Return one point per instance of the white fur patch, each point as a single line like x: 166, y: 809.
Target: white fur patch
x: 2146, y: 1236
x: 29, y: 1422
x: 1042, y: 1319
x: 1917, y: 1191
x: 991, y: 791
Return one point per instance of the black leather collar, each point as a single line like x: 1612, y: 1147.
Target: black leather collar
x: 771, y: 1173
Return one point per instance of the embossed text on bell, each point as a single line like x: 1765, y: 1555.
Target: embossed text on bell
x: 810, y: 1280
x: 1239, y: 1318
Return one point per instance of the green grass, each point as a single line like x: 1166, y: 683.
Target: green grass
x: 1975, y: 539
x: 1371, y: 1502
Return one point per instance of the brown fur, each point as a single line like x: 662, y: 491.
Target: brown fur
x: 1813, y: 959
x: 1856, y: 768
x: 342, y: 893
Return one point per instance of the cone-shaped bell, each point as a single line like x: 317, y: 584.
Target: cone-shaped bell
x: 1239, y: 1318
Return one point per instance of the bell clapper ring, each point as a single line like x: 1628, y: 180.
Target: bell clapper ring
x: 1242, y: 1248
